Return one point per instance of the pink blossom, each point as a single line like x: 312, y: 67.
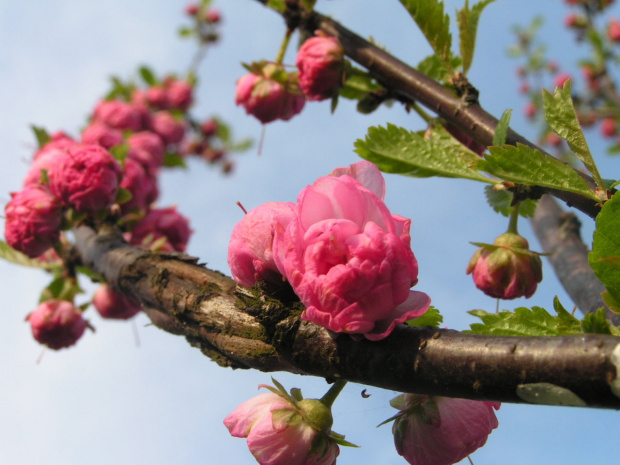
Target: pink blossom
x: 613, y: 30
x: 268, y: 99
x: 166, y: 223
x: 141, y: 184
x: 147, y: 148
x: 86, y: 178
x: 169, y: 128
x: 507, y: 269
x: 157, y: 97
x: 213, y: 16
x: 250, y: 254
x: 441, y: 430
x: 348, y: 258
x: 43, y: 161
x: 279, y: 433
x: 100, y: 134
x: 609, y: 128
x: 179, y: 94
x: 119, y: 115
x: 33, y: 218
x: 112, y: 305
x: 57, y: 324
x: 321, y: 63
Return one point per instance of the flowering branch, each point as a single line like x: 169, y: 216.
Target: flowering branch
x: 243, y: 328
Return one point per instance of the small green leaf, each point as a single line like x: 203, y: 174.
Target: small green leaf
x: 92, y: 275
x: 41, y: 135
x: 523, y: 322
x: 524, y: 165
x: 9, y: 254
x: 122, y: 196
x: 501, y: 131
x: 434, y: 68
x: 562, y: 118
x: 501, y: 201
x: 185, y: 32
x: 172, y: 160
x: 357, y: 85
x: 397, y: 150
x: 147, y: 75
x: 119, y: 152
x: 596, y: 323
x: 61, y: 289
x: 606, y: 245
x: 435, y: 25
x: 278, y: 5
x: 432, y: 317
x: 468, y: 26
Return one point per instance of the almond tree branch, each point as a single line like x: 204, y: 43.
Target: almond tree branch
x: 243, y: 328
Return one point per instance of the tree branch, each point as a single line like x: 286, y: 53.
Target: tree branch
x: 243, y: 328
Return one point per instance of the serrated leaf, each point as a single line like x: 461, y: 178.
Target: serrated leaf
x: 119, y: 152
x: 606, y: 245
x: 9, y: 254
x: 561, y: 116
x: 41, y: 135
x: 501, y: 201
x: 467, y: 21
x: 435, y: 25
x: 397, y: 150
x: 522, y: 322
x: 432, y: 317
x: 596, y: 323
x: 524, y: 165
x: 501, y: 131
x: 434, y: 68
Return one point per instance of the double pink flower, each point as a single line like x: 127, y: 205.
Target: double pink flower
x: 346, y: 256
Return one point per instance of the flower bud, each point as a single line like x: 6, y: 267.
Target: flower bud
x: 119, y: 115
x: 112, y: 305
x: 507, y: 269
x: 162, y: 223
x: 57, y: 324
x: 321, y: 63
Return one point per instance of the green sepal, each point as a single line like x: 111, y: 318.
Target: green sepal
x: 561, y: 116
x: 435, y: 25
x: 397, y: 150
x: 524, y: 165
x: 296, y: 394
x: 431, y: 317
x: 467, y: 20
x: 11, y: 255
x: 41, y: 135
x: 340, y: 440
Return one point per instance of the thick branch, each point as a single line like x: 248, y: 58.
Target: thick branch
x: 242, y: 328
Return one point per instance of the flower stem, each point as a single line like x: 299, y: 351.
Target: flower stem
x: 331, y: 395
x: 283, y: 46
x: 514, y: 218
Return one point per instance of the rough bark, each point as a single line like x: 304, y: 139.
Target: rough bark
x: 243, y: 328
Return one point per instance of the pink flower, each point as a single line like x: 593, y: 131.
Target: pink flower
x: 141, y: 184
x: 110, y: 304
x: 119, y: 115
x: 507, y: 269
x: 43, y: 161
x: 441, y: 430
x: 148, y: 148
x: 33, y: 218
x: 250, y: 254
x: 320, y: 63
x: 347, y: 257
x: 100, y: 134
x: 170, y: 129
x: 57, y: 324
x: 609, y: 127
x: 268, y: 98
x: 613, y: 30
x: 86, y: 178
x: 162, y: 223
x: 179, y: 94
x: 280, y: 433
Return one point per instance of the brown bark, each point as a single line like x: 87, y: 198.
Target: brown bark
x: 244, y: 328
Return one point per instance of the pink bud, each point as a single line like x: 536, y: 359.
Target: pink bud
x: 147, y: 148
x: 119, y: 115
x: 507, y: 269
x: 609, y: 127
x: 213, y: 16
x: 100, y: 134
x: 162, y: 223
x: 169, y: 128
x: 267, y: 99
x: 191, y: 9
x: 530, y: 110
x: 179, y: 94
x: 141, y: 184
x: 209, y: 127
x: 57, y: 324
x: 110, y: 304
x: 321, y: 63
x: 441, y: 430
x: 250, y: 254
x: 33, y: 218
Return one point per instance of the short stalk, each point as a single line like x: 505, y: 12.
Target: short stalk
x: 514, y: 218
x: 283, y: 47
x: 331, y: 395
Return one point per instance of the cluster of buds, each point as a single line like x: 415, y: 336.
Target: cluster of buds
x: 270, y: 93
x: 205, y: 22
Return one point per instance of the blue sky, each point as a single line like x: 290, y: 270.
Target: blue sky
x: 108, y: 400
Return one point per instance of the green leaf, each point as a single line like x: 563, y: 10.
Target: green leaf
x: 562, y: 118
x: 468, y: 26
x: 434, y: 68
x: 501, y: 131
x: 435, y: 25
x: 432, y: 317
x: 172, y: 160
x: 606, y: 246
x: 397, y: 150
x: 122, y: 196
x: 524, y: 322
x: 9, y: 254
x: 501, y: 201
x: 185, y: 31
x: 62, y: 289
x: 147, y: 75
x: 524, y: 165
x: 358, y: 85
x: 119, y: 152
x: 596, y: 323
x: 278, y: 5
x: 41, y: 135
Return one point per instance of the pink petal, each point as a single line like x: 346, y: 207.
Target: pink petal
x: 416, y: 305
